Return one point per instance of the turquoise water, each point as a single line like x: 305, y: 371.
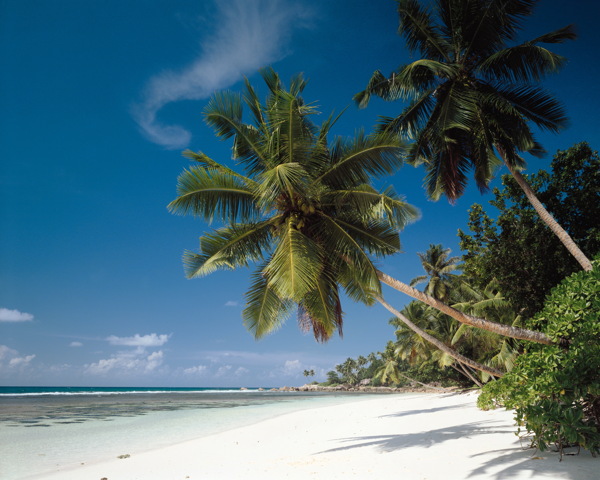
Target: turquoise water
x: 32, y: 391
x: 44, y: 427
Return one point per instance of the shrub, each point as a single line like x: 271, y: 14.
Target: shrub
x: 555, y: 390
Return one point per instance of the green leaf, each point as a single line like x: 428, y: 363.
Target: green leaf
x: 295, y: 266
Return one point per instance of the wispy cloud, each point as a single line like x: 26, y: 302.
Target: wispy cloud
x: 11, y: 359
x: 292, y: 368
x: 7, y: 315
x: 151, y: 340
x: 249, y: 35
x: 76, y: 344
x: 196, y: 370
x: 232, y: 303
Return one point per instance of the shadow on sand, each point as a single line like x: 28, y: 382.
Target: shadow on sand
x: 517, y: 461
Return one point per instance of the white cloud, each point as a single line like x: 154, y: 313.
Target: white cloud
x: 232, y: 303
x: 197, y: 370
x: 7, y: 315
x: 152, y: 340
x: 134, y: 361
x: 249, y: 35
x: 154, y: 360
x: 224, y: 370
x: 20, y: 361
x: 13, y: 359
x: 292, y: 368
x: 76, y: 344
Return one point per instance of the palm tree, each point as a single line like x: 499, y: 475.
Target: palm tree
x: 438, y: 268
x: 304, y: 212
x: 415, y: 350
x: 390, y: 369
x: 493, y: 350
x: 348, y: 371
x: 472, y: 96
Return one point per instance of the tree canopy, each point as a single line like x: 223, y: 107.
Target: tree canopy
x: 532, y: 262
x: 304, y: 211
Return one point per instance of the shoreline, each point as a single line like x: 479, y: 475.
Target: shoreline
x: 420, y: 436
x: 366, y: 389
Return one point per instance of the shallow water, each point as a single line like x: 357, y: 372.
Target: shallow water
x: 37, y: 433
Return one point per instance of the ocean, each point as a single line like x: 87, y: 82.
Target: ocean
x: 42, y: 428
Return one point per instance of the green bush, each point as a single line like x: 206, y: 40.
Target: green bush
x: 555, y: 390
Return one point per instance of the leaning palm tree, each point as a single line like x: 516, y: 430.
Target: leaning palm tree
x: 304, y: 213
x: 472, y: 97
x: 415, y: 350
x: 438, y: 268
x: 492, y: 349
x: 389, y: 371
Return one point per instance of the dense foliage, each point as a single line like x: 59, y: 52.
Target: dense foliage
x: 555, y: 390
x: 473, y: 97
x: 353, y: 371
x: 533, y: 261
x: 386, y: 368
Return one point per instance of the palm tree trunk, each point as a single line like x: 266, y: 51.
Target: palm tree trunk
x: 466, y: 372
x: 440, y: 345
x: 478, y: 322
x: 421, y: 383
x: 547, y: 217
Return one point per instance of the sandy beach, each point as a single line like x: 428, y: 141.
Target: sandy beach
x: 424, y: 437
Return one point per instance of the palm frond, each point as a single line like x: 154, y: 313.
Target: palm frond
x: 287, y: 179
x: 209, y: 193
x: 412, y: 119
x: 296, y: 264
x: 560, y: 35
x: 228, y: 248
x: 356, y: 162
x: 251, y: 99
x: 522, y: 63
x: 365, y: 201
x: 421, y: 34
x: 209, y: 164
x: 223, y: 113
x: 349, y: 248
x: 537, y: 105
x: 378, y: 85
x: 447, y: 174
x: 377, y: 238
x: 419, y: 279
x: 265, y: 310
x: 321, y: 310
x: 272, y: 79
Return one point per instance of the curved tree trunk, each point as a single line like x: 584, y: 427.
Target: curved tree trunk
x: 463, y: 370
x: 548, y: 219
x: 438, y: 344
x: 421, y: 383
x: 478, y: 322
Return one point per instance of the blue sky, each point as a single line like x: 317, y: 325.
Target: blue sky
x: 99, y: 98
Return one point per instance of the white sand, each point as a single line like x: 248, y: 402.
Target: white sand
x: 394, y: 436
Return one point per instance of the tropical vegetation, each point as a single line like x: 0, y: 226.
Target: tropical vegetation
x: 533, y: 262
x: 306, y: 213
x: 301, y: 208
x: 473, y: 97
x: 555, y: 390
